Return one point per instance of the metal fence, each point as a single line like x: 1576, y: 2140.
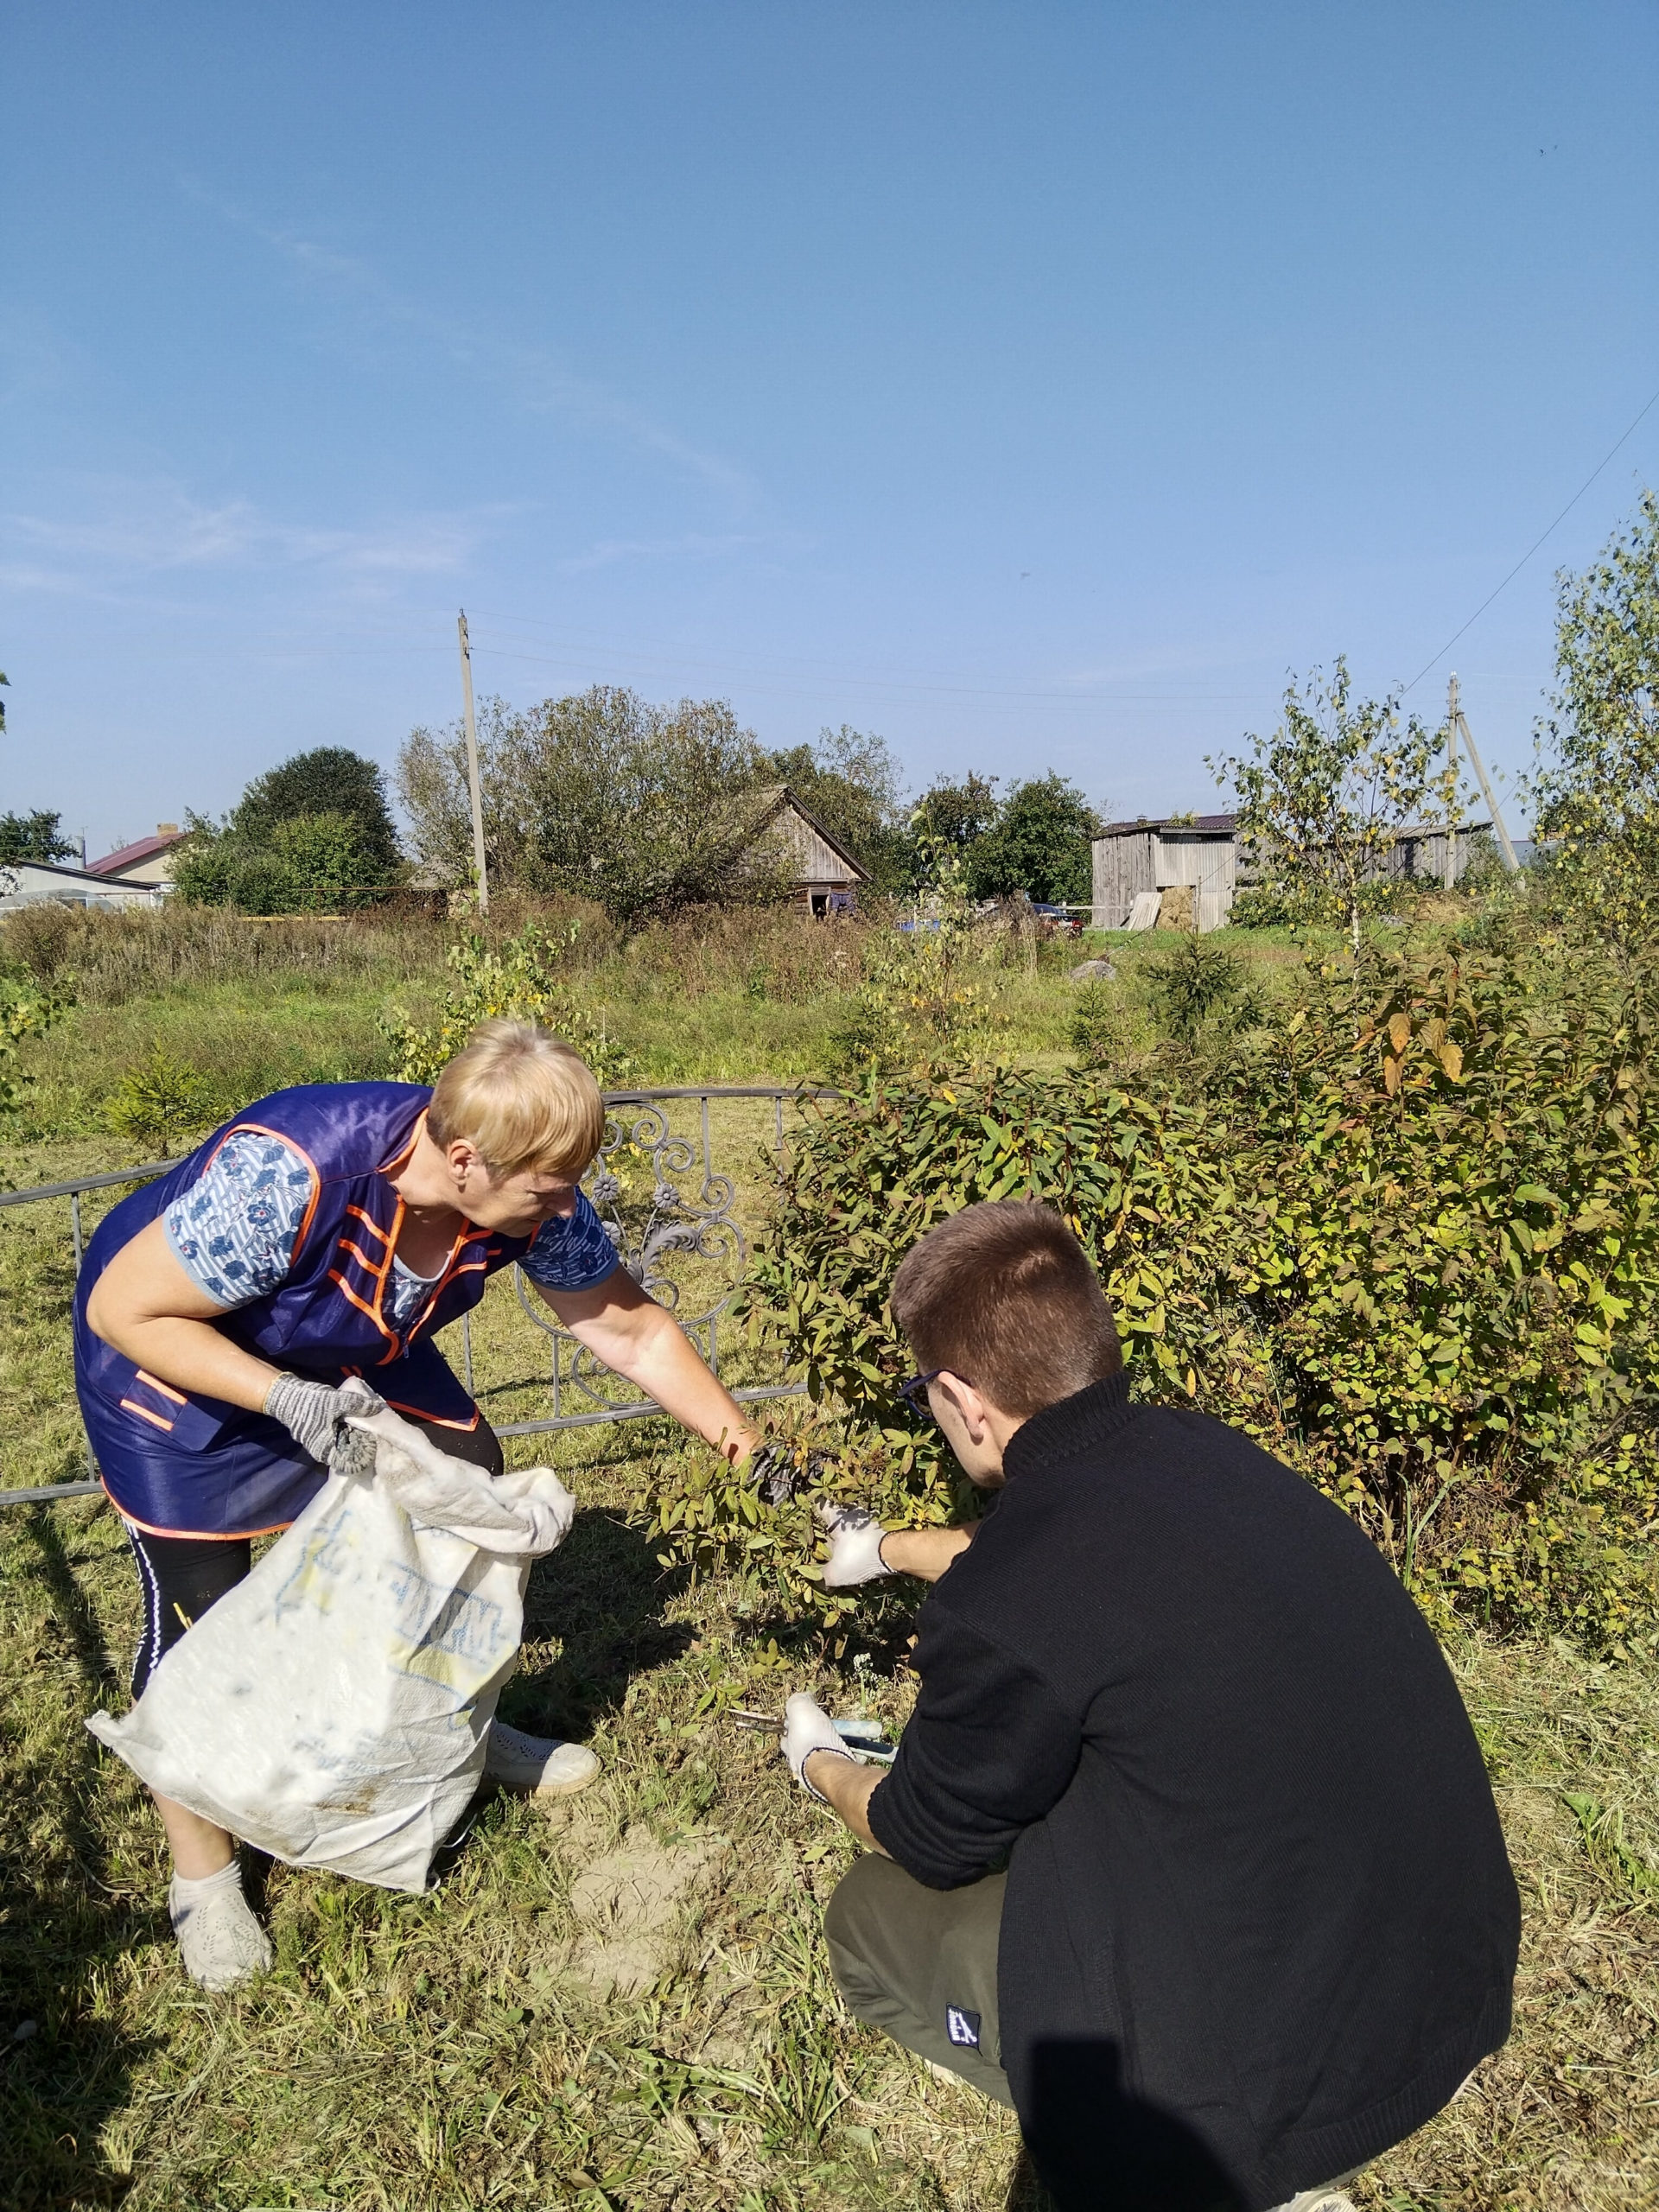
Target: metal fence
x: 667, y: 1207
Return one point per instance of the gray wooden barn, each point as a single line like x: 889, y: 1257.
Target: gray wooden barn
x: 1141, y: 860
x: 826, y: 874
x: 1135, y: 859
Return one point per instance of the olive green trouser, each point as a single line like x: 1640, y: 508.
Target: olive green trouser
x: 921, y: 1964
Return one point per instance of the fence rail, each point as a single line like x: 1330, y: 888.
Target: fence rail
x: 663, y: 1232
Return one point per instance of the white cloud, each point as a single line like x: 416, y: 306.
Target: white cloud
x: 692, y: 546
x: 127, y: 530
x: 533, y: 376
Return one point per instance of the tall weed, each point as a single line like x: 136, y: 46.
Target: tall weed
x: 140, y: 952
x: 26, y: 1012
x: 772, y: 953
x: 1410, y: 1241
x: 925, y: 989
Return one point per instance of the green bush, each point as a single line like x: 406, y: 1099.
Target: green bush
x: 710, y: 1518
x: 1453, y: 1163
x: 305, y: 863
x: 1097, y: 1030
x: 924, y: 989
x: 526, y: 978
x: 259, y: 883
x: 1200, y: 984
x: 27, y: 1009
x: 1409, y: 1243
x: 871, y: 1174
x: 161, y: 1102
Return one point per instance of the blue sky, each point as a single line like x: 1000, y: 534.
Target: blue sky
x: 1034, y: 384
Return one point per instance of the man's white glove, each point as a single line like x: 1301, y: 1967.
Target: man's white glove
x: 312, y: 1411
x: 855, y: 1546
x: 808, y: 1728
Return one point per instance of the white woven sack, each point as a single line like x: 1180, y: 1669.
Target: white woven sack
x: 332, y: 1708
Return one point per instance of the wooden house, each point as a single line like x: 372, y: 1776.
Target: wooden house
x: 826, y: 875
x: 1136, y: 859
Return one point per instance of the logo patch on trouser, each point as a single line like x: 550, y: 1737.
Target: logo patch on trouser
x: 962, y: 2027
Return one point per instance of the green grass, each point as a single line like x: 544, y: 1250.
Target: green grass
x: 462, y: 2050
x: 468, y: 2049
x: 250, y: 1007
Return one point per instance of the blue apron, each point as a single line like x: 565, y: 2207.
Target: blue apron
x: 182, y: 1465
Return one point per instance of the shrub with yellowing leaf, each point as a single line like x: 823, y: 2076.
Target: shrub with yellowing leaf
x: 528, y: 977
x: 1409, y: 1240
x: 1454, y: 1163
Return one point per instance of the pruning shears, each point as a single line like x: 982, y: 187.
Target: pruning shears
x: 866, y: 1739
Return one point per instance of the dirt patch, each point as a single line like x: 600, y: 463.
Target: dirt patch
x: 628, y: 1905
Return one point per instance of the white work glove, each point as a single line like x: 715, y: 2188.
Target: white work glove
x: 312, y: 1411
x: 855, y: 1546
x: 808, y: 1728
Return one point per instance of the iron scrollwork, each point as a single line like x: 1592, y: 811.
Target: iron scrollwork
x: 637, y: 1186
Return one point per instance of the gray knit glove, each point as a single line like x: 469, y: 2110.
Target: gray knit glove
x: 312, y: 1411
x: 779, y: 1473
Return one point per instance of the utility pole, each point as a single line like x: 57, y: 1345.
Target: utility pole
x: 1452, y: 711
x: 1460, y: 721
x: 472, y: 767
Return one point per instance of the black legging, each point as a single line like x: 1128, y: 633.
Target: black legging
x: 182, y: 1576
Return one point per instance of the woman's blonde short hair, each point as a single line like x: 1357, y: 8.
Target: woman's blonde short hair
x: 523, y: 1098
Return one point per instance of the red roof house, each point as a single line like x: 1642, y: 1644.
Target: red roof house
x: 148, y: 861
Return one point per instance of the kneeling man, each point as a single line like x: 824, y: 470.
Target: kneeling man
x: 1188, y: 1852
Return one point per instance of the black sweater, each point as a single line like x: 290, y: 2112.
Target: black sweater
x: 1260, y: 1923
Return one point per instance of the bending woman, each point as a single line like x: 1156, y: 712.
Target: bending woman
x: 297, y: 1266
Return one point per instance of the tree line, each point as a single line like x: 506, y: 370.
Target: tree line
x: 644, y: 808
x: 648, y: 808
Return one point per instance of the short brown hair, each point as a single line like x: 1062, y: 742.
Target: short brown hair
x: 523, y: 1098
x: 1003, y: 1295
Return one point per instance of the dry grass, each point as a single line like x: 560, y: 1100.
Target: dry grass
x: 118, y: 957
x: 250, y: 1007
x: 461, y: 2049
x: 465, y: 2049
x: 1566, y: 2118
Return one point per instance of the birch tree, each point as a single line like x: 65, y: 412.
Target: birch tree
x: 1596, y: 788
x: 1321, y: 801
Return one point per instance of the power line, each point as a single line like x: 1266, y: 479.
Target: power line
x: 874, y: 683
x: 1533, y: 548
x: 756, y: 675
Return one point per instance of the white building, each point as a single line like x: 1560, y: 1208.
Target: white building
x: 42, y: 883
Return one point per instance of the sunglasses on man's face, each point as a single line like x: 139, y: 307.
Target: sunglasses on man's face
x: 914, y: 1392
